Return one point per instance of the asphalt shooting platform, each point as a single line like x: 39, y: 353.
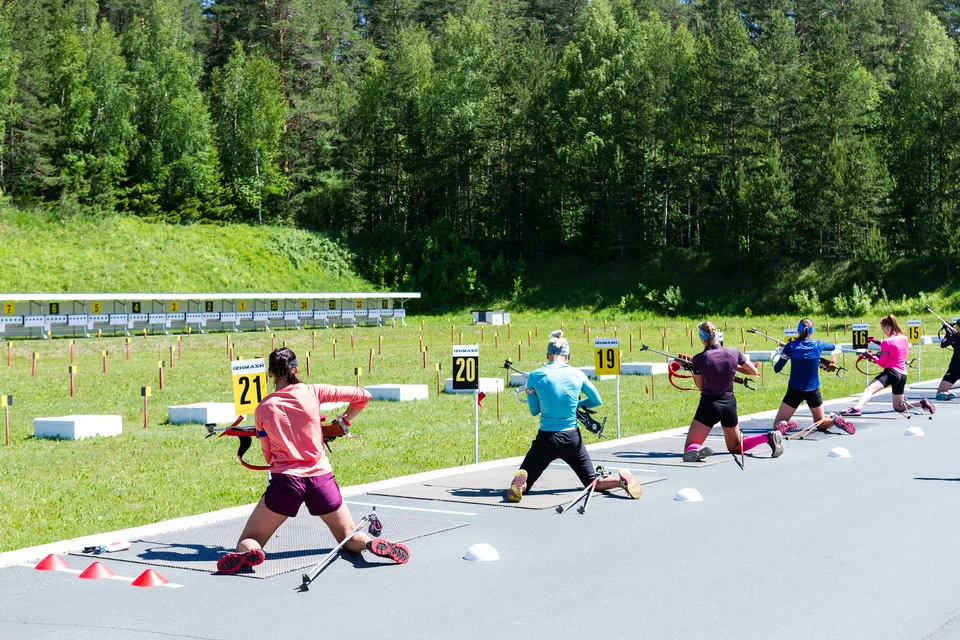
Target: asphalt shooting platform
x: 803, y: 546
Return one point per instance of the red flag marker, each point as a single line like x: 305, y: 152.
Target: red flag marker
x: 480, y: 397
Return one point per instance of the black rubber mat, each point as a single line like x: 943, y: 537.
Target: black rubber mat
x: 299, y: 543
x: 667, y: 452
x: 489, y: 487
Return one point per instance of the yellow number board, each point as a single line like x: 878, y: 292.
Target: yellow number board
x: 332, y: 305
x: 606, y: 356
x: 8, y: 308
x: 913, y: 331
x: 249, y: 384
x: 174, y: 307
x: 859, y: 334
x: 242, y: 305
x: 466, y: 366
x: 304, y: 305
x: 359, y: 304
x: 96, y: 307
x: 789, y: 335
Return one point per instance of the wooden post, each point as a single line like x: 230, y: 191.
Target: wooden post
x: 452, y: 329
x: 496, y: 340
x: 481, y: 333
x: 423, y: 350
x: 314, y: 341
x: 631, y: 342
x: 9, y: 353
x: 72, y: 351
x: 160, y: 367
x: 519, y: 351
x: 104, y: 354
x: 73, y: 372
x: 229, y: 354
x: 334, y: 348
x: 6, y: 401
x: 179, y: 347
x: 370, y: 365
x: 273, y: 342
x: 529, y: 343
x: 380, y: 346
x: 461, y: 337
x: 498, y: 404
x: 33, y: 367
x: 128, y: 347
x: 145, y: 392
x: 351, y: 340
x: 438, y: 379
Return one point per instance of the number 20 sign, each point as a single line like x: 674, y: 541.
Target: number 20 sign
x: 249, y: 384
x: 466, y: 359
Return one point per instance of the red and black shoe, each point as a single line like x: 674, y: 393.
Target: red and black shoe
x: 398, y: 552
x: 234, y: 562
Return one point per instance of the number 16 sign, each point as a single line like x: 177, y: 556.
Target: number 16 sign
x: 249, y: 384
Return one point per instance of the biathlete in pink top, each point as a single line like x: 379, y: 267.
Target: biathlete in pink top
x: 894, y: 349
x: 290, y: 429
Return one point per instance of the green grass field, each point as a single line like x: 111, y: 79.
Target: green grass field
x: 54, y: 490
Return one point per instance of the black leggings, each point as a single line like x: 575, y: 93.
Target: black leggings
x: 550, y: 445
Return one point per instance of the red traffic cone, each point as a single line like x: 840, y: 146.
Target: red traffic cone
x: 150, y: 578
x: 52, y: 562
x: 96, y: 571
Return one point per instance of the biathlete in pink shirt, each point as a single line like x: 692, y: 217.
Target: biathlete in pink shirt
x: 894, y: 349
x: 291, y: 434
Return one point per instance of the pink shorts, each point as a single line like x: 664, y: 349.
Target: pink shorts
x: 286, y: 493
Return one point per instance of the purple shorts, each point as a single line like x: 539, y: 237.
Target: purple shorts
x: 286, y: 493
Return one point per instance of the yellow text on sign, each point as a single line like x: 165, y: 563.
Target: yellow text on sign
x: 174, y: 307
x: 859, y: 335
x: 249, y: 384
x: 913, y: 331
x: 304, y: 305
x: 606, y: 356
x: 96, y: 307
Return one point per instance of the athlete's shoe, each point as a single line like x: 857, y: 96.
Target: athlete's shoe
x: 927, y: 406
x: 945, y: 395
x: 844, y: 424
x: 397, y: 551
x: 696, y: 455
x: 775, y: 440
x: 234, y: 562
x: 852, y: 412
x: 517, y: 487
x: 630, y: 484
x: 786, y: 425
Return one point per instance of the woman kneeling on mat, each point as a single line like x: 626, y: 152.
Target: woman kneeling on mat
x: 950, y: 339
x: 291, y: 434
x: 894, y: 349
x: 553, y: 392
x: 714, y: 369
x: 804, y: 386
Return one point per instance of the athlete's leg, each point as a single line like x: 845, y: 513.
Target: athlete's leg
x: 784, y: 413
x: 696, y: 435
x: 261, y: 525
x: 868, y: 393
x: 340, y: 523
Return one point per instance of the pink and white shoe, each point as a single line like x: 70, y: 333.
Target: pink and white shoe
x: 928, y: 406
x: 844, y: 424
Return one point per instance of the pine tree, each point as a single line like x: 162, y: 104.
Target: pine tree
x: 9, y: 109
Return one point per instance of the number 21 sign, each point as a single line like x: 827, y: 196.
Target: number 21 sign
x: 249, y: 384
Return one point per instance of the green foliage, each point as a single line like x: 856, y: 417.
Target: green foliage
x: 807, y: 302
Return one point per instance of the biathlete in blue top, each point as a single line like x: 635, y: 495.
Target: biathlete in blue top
x: 553, y: 393
x: 804, y: 354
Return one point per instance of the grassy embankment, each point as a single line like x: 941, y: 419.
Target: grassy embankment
x: 53, y: 490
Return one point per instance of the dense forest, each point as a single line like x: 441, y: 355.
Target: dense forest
x: 753, y: 129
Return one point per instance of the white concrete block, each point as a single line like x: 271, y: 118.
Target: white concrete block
x: 930, y: 340
x: 487, y: 385
x: 77, y: 427
x: 592, y: 373
x: 333, y: 408
x: 516, y: 380
x: 202, y: 413
x: 398, y: 392
x: 760, y: 356
x: 643, y: 368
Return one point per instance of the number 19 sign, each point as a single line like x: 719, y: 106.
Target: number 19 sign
x: 606, y: 357
x: 249, y: 384
x: 466, y: 359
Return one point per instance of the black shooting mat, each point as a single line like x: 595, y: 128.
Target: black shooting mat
x: 665, y: 452
x: 558, y: 485
x: 298, y: 544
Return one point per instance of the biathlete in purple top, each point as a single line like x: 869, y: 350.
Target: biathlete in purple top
x: 803, y: 354
x: 894, y: 349
x: 713, y: 371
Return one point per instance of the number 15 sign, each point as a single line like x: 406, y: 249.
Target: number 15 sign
x: 249, y: 384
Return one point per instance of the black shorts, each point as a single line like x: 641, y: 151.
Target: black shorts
x: 893, y: 379
x: 792, y: 398
x: 550, y: 445
x: 714, y: 409
x: 952, y: 374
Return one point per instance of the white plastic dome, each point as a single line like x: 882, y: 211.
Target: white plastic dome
x: 839, y: 452
x: 688, y: 495
x: 481, y: 552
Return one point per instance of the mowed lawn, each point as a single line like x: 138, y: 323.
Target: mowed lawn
x: 54, y: 490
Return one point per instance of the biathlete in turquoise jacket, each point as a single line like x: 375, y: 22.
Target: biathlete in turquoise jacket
x: 553, y: 393
x: 803, y: 354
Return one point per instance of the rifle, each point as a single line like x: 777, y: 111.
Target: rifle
x: 824, y: 365
x: 584, y: 414
x: 681, y: 362
x: 331, y: 431
x: 947, y: 327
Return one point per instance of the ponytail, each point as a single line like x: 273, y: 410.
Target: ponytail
x: 891, y: 322
x: 283, y: 365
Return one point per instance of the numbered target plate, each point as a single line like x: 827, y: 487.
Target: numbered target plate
x: 466, y: 366
x: 859, y: 334
x: 606, y: 356
x: 790, y: 335
x: 913, y: 331
x: 249, y: 384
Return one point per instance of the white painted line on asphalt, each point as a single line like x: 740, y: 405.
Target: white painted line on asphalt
x: 393, y: 506
x: 77, y: 572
